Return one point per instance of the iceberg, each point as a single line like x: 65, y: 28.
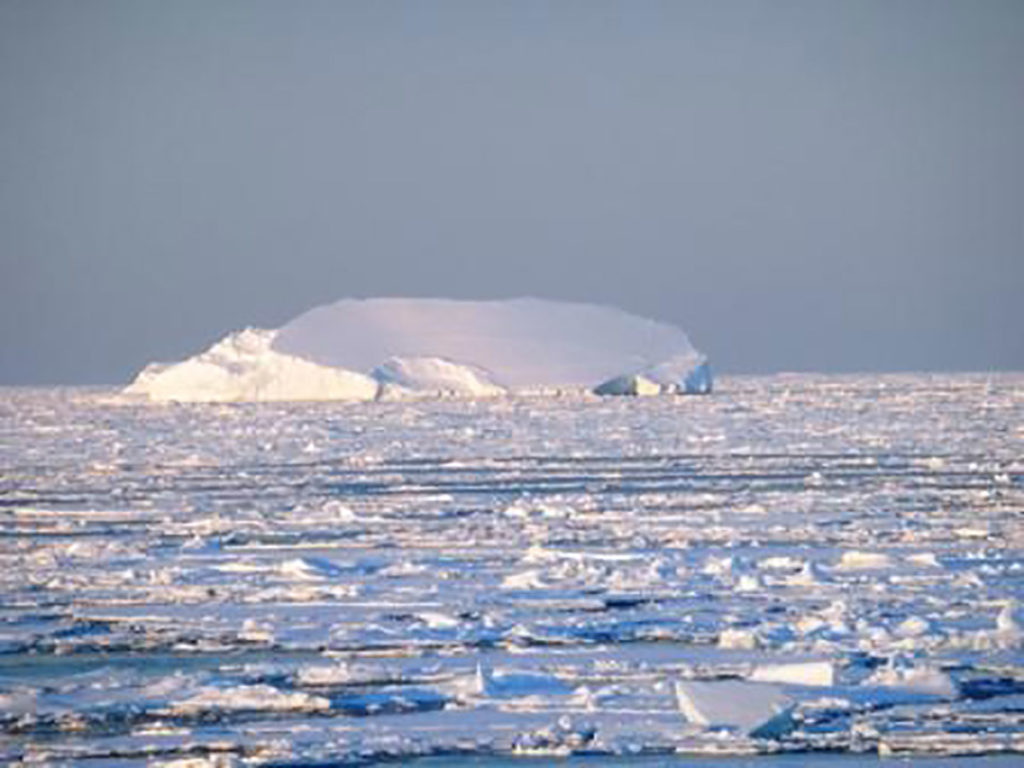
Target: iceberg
x: 372, y: 349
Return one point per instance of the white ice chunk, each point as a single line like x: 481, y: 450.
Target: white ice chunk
x: 629, y: 384
x: 719, y: 566
x: 256, y: 631
x: 924, y: 559
x: 438, y: 620
x: 434, y: 374
x: 18, y: 702
x: 759, y: 710
x: 681, y: 374
x: 346, y: 674
x: 1010, y: 620
x: 508, y: 684
x: 259, y: 698
x: 921, y: 679
x: 470, y: 686
x: 244, y: 367
x: 856, y: 560
x: 737, y: 639
x: 749, y: 582
x: 815, y: 673
x: 914, y: 626
x: 1008, y: 633
x: 308, y: 568
x: 530, y: 579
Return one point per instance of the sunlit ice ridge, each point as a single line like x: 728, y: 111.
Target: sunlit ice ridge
x: 398, y: 348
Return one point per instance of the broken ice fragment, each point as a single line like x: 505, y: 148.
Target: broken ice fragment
x: 800, y: 673
x: 759, y: 710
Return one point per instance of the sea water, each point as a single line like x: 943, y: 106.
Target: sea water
x: 480, y: 580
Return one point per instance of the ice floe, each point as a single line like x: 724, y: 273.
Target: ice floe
x: 249, y: 698
x: 811, y: 673
x: 754, y: 709
x: 336, y: 583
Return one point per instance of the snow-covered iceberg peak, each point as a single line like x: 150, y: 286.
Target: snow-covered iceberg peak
x: 372, y: 348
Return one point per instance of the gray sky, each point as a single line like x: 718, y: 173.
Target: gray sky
x: 832, y: 186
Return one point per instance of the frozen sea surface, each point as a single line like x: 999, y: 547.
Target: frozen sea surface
x: 796, y: 570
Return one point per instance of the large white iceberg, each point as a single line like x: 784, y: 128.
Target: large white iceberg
x: 365, y: 349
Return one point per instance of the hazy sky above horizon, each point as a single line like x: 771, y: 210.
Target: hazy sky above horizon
x: 807, y: 185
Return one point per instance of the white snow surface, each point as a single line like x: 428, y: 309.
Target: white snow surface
x: 317, y: 583
x: 387, y: 348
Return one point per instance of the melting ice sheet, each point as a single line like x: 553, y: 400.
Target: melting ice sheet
x: 795, y: 565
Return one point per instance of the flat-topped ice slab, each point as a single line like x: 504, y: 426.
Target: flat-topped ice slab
x: 760, y: 710
x: 365, y: 349
x: 521, y: 343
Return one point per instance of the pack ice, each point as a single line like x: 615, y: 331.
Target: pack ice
x: 390, y: 348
